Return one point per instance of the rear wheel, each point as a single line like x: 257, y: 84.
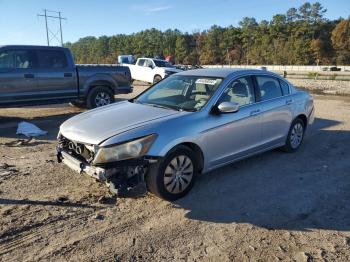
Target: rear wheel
x: 156, y: 79
x: 173, y: 176
x: 99, y: 96
x: 295, y: 136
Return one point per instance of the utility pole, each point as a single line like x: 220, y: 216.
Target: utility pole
x: 48, y: 31
x: 60, y: 18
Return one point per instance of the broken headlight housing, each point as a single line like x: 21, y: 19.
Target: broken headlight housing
x: 128, y: 150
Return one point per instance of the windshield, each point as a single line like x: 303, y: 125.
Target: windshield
x: 161, y: 63
x: 188, y: 93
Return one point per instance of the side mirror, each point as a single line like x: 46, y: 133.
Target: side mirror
x: 228, y: 107
x: 151, y: 66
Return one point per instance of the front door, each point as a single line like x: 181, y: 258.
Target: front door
x: 234, y: 135
x: 147, y: 73
x: 18, y: 75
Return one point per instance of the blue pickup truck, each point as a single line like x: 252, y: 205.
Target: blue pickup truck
x: 45, y: 74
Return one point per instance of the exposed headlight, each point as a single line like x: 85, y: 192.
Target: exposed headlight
x: 131, y: 149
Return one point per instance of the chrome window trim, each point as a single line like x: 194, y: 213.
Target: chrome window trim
x: 231, y: 79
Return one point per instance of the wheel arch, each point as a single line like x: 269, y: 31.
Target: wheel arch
x: 97, y: 83
x: 99, y: 80
x: 196, y: 149
x: 157, y: 74
x: 303, y: 118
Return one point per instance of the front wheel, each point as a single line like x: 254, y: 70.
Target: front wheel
x: 99, y: 96
x: 295, y: 136
x: 173, y: 176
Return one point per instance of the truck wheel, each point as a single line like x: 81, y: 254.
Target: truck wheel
x: 156, y: 79
x: 174, y: 175
x: 99, y: 96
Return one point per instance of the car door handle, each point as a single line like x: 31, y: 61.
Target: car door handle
x: 255, y: 112
x: 289, y: 101
x: 28, y: 75
x: 68, y: 74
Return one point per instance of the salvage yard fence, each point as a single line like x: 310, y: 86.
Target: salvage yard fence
x: 303, y: 68
x: 298, y: 72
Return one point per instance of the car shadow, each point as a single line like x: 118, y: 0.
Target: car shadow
x: 305, y: 190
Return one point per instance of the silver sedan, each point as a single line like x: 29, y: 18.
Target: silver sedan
x: 189, y: 123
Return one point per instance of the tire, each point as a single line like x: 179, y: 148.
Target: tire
x: 295, y: 136
x: 99, y: 96
x: 156, y: 79
x: 163, y: 181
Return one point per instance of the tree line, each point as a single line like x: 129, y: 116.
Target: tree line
x: 301, y: 36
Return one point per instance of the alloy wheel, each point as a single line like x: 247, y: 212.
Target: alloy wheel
x: 178, y: 174
x: 297, y: 135
x: 102, y: 99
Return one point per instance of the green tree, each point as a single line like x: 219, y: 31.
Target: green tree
x: 180, y: 49
x: 341, y: 41
x: 300, y: 36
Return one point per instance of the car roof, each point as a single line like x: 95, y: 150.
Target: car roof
x: 223, y: 72
x: 31, y: 47
x: 155, y: 59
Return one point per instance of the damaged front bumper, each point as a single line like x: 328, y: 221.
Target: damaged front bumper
x: 81, y: 167
x: 126, y: 173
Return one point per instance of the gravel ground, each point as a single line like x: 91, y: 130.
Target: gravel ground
x: 334, y: 87
x: 271, y: 207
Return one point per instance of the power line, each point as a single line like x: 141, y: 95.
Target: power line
x: 48, y: 31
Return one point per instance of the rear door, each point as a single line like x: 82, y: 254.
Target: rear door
x: 18, y: 75
x: 56, y: 77
x: 276, y: 110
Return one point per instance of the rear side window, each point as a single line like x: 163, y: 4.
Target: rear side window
x: 6, y: 59
x: 52, y: 59
x: 269, y: 87
x: 285, y: 87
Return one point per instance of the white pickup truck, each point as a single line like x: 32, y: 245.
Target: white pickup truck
x: 151, y: 70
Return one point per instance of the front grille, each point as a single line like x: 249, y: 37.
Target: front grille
x: 77, y: 150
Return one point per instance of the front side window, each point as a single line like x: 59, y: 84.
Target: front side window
x: 269, y: 87
x: 141, y: 62
x: 188, y: 93
x: 52, y: 59
x: 148, y: 63
x: 24, y: 59
x: 240, y: 91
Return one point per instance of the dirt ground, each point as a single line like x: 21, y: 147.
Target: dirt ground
x: 271, y: 207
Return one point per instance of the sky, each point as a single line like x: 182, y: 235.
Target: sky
x: 19, y: 23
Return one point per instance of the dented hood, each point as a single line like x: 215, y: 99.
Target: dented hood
x: 95, y: 126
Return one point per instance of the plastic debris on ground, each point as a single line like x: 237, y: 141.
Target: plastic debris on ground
x: 29, y: 130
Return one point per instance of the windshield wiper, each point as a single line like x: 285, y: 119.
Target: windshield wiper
x: 187, y: 109
x: 161, y: 106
